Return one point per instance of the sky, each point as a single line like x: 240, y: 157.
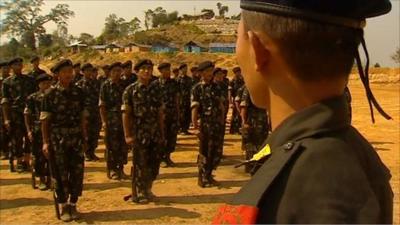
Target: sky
x: 382, y: 34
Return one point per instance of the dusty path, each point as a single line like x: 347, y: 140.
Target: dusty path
x: 180, y: 199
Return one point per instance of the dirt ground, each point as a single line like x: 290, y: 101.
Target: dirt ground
x: 180, y: 200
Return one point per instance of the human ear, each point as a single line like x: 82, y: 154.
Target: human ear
x: 262, y: 54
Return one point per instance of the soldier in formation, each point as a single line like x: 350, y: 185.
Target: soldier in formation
x: 185, y: 84
x: 236, y: 83
x: 5, y: 142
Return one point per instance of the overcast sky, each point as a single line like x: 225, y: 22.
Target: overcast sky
x: 382, y: 33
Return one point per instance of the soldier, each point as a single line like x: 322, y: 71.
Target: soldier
x: 254, y: 127
x: 91, y: 87
x: 4, y: 135
x: 16, y: 89
x: 175, y: 73
x: 195, y: 75
x: 170, y: 98
x: 36, y: 71
x: 111, y: 116
x: 64, y: 126
x: 32, y: 123
x: 317, y: 168
x: 185, y: 85
x: 207, y: 105
x: 144, y: 130
x: 77, y: 72
x: 106, y: 74
x: 236, y: 83
x: 127, y: 75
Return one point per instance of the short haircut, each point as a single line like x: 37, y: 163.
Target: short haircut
x: 312, y: 50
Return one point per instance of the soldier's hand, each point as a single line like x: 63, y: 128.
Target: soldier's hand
x: 196, y: 125
x: 129, y: 141
x: 45, y: 150
x: 104, y: 126
x: 30, y: 136
x: 7, y: 125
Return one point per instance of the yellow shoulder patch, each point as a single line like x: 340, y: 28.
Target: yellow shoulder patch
x: 266, y: 151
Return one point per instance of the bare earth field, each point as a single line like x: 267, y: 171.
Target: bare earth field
x: 180, y: 200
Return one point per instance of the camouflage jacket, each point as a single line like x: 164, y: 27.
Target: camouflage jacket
x: 91, y: 87
x: 169, y: 92
x: 130, y: 80
x: 111, y: 95
x: 185, y: 85
x: 256, y: 117
x: 209, y: 99
x: 33, y: 108
x: 15, y: 91
x: 64, y: 107
x: 144, y: 103
x: 234, y: 86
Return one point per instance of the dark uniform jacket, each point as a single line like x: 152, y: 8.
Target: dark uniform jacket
x: 321, y: 170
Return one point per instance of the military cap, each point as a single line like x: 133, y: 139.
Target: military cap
x: 116, y: 64
x: 175, y: 70
x: 77, y: 65
x: 224, y: 71
x: 193, y: 69
x: 35, y: 58
x: 15, y: 60
x: 236, y: 69
x: 61, y: 64
x: 349, y: 13
x: 126, y: 64
x: 217, y: 70
x: 183, y: 65
x: 86, y: 66
x: 4, y: 63
x: 43, y: 77
x: 163, y: 66
x: 143, y: 62
x: 106, y: 67
x: 205, y: 65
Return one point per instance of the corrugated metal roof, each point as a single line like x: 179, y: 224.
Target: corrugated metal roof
x: 222, y: 45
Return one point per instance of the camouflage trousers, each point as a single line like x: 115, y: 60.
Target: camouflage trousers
x: 146, y: 164
x: 20, y: 144
x: 236, y: 121
x: 116, y: 147
x: 94, y: 127
x: 171, y: 134
x: 211, y: 142
x: 39, y: 161
x: 68, y: 162
x: 252, y: 141
x: 5, y: 142
x: 185, y: 116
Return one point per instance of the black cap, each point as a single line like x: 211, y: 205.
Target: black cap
x: 3, y: 63
x: 86, y: 66
x: 236, y: 69
x: 61, y: 64
x: 143, y: 62
x: 225, y: 71
x: 183, y: 65
x: 175, y: 70
x: 349, y: 13
x: 193, y: 69
x: 77, y: 65
x: 163, y: 66
x: 126, y: 64
x: 43, y: 77
x: 216, y: 70
x: 116, y: 64
x: 106, y: 67
x: 15, y: 60
x: 35, y: 58
x: 205, y: 65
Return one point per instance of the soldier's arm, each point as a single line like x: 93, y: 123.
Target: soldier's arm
x: 6, y: 105
x: 103, y: 112
x: 161, y: 121
x: 126, y: 109
x: 195, y: 104
x: 27, y: 120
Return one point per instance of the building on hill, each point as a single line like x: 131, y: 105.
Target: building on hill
x: 194, y: 47
x: 77, y: 47
x: 135, y: 47
x: 114, y: 48
x: 222, y: 47
x: 164, y: 47
x: 100, y: 48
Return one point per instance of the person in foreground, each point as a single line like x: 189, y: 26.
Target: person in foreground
x: 296, y: 57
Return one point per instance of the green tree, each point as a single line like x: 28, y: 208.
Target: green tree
x: 222, y: 9
x: 86, y: 38
x: 23, y: 18
x: 45, y: 40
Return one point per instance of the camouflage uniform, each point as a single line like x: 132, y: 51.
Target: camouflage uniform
x: 223, y: 86
x: 111, y: 99
x: 35, y: 73
x: 237, y: 101
x: 4, y: 137
x: 257, y: 132
x: 169, y: 93
x: 185, y: 85
x: 130, y: 80
x: 91, y: 87
x: 235, y: 84
x: 144, y: 103
x: 33, y: 108
x: 15, y: 90
x: 77, y: 78
x: 209, y: 99
x: 65, y: 108
x: 347, y: 94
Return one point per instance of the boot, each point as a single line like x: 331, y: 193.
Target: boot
x: 42, y: 185
x: 170, y: 163
x: 65, y: 213
x: 74, y: 212
x: 20, y: 167
x: 12, y: 168
x: 94, y: 157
